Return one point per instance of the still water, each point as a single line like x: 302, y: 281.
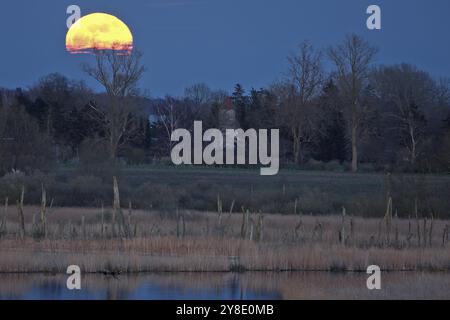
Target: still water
x: 247, y: 286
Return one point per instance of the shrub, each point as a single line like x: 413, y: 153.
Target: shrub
x: 94, y: 160
x: 11, y: 186
x: 88, y: 190
x: 155, y: 196
x: 134, y: 156
x: 314, y: 165
x: 27, y: 148
x: 335, y: 166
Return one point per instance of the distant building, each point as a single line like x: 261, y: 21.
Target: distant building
x: 227, y: 116
x: 228, y: 120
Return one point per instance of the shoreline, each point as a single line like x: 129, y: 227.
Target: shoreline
x: 156, y: 272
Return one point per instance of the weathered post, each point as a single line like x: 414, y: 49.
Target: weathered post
x: 20, y: 213
x: 43, y: 212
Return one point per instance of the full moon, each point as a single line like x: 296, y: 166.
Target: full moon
x: 99, y: 31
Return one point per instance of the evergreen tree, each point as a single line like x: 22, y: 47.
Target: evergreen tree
x: 240, y: 105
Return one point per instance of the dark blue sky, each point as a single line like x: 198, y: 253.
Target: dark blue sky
x: 220, y: 42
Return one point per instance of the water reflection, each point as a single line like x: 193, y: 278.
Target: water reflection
x: 227, y: 286
x: 140, y: 287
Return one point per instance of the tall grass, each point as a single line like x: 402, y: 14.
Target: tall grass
x: 204, y: 242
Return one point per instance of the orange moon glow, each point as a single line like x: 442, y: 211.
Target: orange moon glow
x: 99, y: 31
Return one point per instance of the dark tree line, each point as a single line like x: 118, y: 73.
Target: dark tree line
x: 387, y: 117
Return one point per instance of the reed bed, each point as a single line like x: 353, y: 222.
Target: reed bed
x: 46, y: 239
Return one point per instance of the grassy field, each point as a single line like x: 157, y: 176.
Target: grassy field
x: 290, y: 192
x: 192, y: 188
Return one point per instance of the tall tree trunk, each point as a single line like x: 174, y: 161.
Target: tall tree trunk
x: 115, y: 135
x: 296, y: 144
x: 413, y: 145
x: 116, y: 206
x: 113, y: 153
x: 114, y: 146
x: 354, y: 149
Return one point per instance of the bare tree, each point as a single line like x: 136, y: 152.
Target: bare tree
x: 305, y: 79
x: 353, y: 59
x: 406, y: 91
x: 169, y: 118
x: 173, y: 114
x: 119, y: 74
x: 199, y: 94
